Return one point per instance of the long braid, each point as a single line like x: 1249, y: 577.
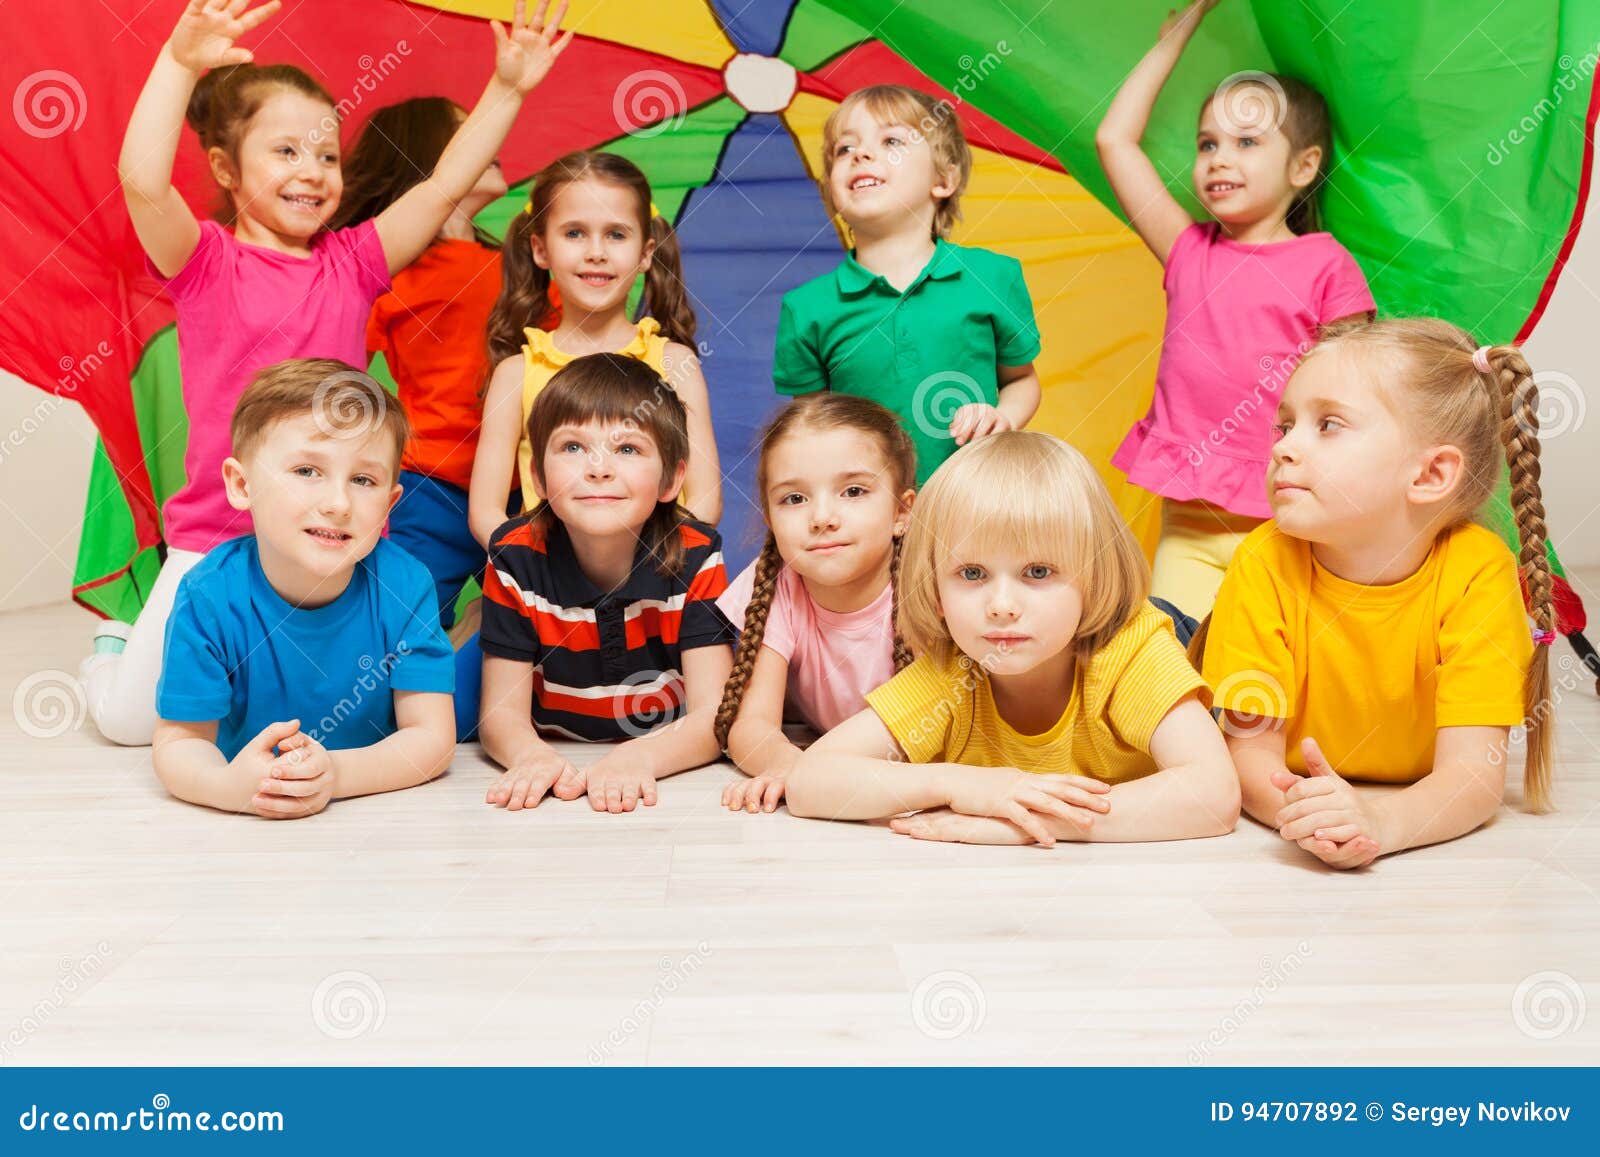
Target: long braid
x: 1519, y: 432
x: 768, y: 566
x: 902, y: 653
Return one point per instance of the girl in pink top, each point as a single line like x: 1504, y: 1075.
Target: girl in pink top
x: 816, y: 609
x: 276, y: 283
x: 1247, y: 293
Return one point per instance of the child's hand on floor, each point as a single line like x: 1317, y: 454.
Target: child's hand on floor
x: 619, y: 789
x: 1024, y: 797
x: 298, y: 783
x: 524, y: 56
x: 524, y: 784
x: 977, y: 420
x: 205, y: 35
x: 1325, y: 815
x: 760, y: 793
x: 954, y: 828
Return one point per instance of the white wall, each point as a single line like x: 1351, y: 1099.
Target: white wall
x: 46, y: 446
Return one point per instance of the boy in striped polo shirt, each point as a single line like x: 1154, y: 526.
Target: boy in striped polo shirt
x: 599, y: 613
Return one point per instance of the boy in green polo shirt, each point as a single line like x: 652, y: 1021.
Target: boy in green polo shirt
x: 942, y: 335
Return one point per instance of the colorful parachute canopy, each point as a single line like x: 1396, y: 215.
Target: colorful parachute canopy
x: 1461, y: 161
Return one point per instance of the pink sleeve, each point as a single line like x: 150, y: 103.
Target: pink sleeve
x: 201, y: 271
x: 1192, y: 239
x: 733, y: 601
x: 364, y: 248
x: 1344, y: 288
x: 780, y: 631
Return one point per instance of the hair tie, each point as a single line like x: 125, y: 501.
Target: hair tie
x: 1480, y: 360
x: 1543, y: 637
x: 654, y: 212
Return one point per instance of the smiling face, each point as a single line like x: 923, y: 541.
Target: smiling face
x: 1005, y: 610
x: 1344, y: 463
x: 318, y: 502
x: 833, y: 504
x: 593, y: 243
x: 286, y: 176
x: 882, y: 175
x: 1246, y: 169
x: 603, y: 479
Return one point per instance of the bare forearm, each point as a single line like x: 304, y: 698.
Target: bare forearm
x: 1019, y: 400
x: 839, y: 786
x: 477, y: 141
x: 685, y: 743
x: 151, y: 142
x: 1177, y: 803
x: 1129, y: 114
x: 759, y: 748
x: 410, y: 756
x: 1261, y: 801
x: 510, y: 741
x: 1447, y: 803
x: 196, y: 771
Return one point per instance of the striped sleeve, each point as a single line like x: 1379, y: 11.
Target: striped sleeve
x: 1150, y: 677
x: 703, y: 624
x: 919, y: 705
x: 509, y: 583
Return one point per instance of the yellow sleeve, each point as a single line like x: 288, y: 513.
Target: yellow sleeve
x: 1156, y: 677
x: 1485, y: 644
x: 919, y: 706
x: 1249, y: 656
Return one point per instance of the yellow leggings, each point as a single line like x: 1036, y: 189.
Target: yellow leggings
x: 1197, y: 543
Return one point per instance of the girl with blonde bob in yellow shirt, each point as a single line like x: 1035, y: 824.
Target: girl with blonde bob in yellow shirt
x: 1049, y: 700
x: 1373, y: 631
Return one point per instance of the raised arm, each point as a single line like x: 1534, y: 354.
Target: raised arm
x: 204, y: 38
x: 494, y: 467
x: 1154, y: 212
x: 522, y: 59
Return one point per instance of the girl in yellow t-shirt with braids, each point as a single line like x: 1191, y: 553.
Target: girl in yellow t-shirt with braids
x: 1372, y: 631
x: 1048, y: 700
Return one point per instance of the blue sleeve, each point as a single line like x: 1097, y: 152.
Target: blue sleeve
x: 195, y: 684
x: 796, y: 362
x: 426, y: 661
x: 1015, y: 328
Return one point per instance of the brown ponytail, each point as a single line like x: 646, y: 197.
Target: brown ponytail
x: 769, y: 565
x: 1519, y: 434
x: 225, y: 100
x: 665, y: 297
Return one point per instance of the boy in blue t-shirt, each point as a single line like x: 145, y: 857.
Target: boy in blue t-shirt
x: 305, y: 662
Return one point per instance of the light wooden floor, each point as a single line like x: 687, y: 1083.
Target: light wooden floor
x: 425, y: 927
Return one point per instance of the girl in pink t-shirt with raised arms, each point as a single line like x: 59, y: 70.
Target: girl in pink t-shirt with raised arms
x: 1247, y: 292
x: 276, y: 282
x: 836, y: 477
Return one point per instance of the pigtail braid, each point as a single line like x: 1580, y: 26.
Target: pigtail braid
x: 768, y: 566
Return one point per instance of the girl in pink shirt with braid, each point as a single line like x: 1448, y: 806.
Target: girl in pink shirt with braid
x: 271, y: 281
x: 1247, y: 293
